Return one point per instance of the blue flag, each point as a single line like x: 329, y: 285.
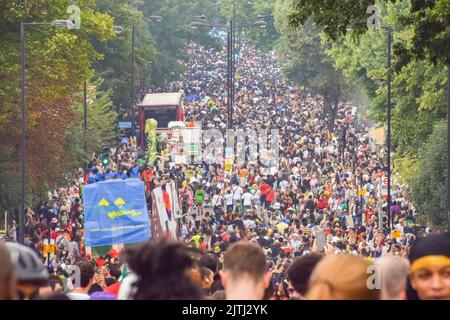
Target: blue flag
x: 115, y: 213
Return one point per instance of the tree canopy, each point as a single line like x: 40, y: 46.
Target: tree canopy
x: 421, y: 55
x: 429, y: 21
x: 304, y: 58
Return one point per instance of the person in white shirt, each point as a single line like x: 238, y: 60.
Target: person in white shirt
x: 237, y: 194
x: 249, y: 223
x: 86, y: 280
x: 217, y: 200
x: 247, y: 200
x: 229, y: 200
x: 305, y: 154
x: 284, y: 185
x: 256, y: 198
x: 220, y: 185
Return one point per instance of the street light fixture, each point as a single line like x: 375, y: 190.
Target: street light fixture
x: 260, y: 24
x: 55, y: 23
x: 118, y: 29
x: 156, y: 18
x: 196, y: 24
x: 62, y: 23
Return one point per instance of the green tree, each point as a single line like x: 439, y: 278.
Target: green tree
x: 101, y: 124
x: 429, y: 189
x: 421, y: 34
x: 173, y: 33
x: 429, y: 20
x: 115, y: 67
x: 58, y: 62
x: 418, y: 90
x: 305, y: 62
x: 264, y: 39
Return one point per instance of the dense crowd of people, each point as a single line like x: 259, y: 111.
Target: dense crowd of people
x: 311, y: 227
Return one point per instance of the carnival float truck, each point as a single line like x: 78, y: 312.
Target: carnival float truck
x: 161, y: 122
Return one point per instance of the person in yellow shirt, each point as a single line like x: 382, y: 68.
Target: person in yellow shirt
x: 281, y: 227
x: 196, y: 239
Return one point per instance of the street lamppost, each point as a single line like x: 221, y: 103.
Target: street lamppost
x: 23, y: 25
x: 389, y: 43
x: 133, y: 32
x: 230, y: 25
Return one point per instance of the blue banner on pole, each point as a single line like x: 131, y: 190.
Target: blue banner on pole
x: 115, y: 213
x: 124, y: 125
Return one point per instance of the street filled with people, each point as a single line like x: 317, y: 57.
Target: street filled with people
x: 313, y: 226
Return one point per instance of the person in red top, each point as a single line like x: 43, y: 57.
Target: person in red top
x: 114, y: 288
x: 264, y: 187
x: 368, y: 215
x: 323, y: 203
x: 147, y: 176
x: 100, y: 262
x: 224, y: 236
x: 265, y: 190
x: 203, y: 246
x: 53, y: 234
x: 269, y: 198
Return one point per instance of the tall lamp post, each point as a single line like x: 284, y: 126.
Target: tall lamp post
x: 23, y: 25
x: 230, y: 78
x: 389, y: 42
x: 230, y: 25
x: 133, y: 35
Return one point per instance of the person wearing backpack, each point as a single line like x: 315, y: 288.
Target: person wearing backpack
x: 217, y: 204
